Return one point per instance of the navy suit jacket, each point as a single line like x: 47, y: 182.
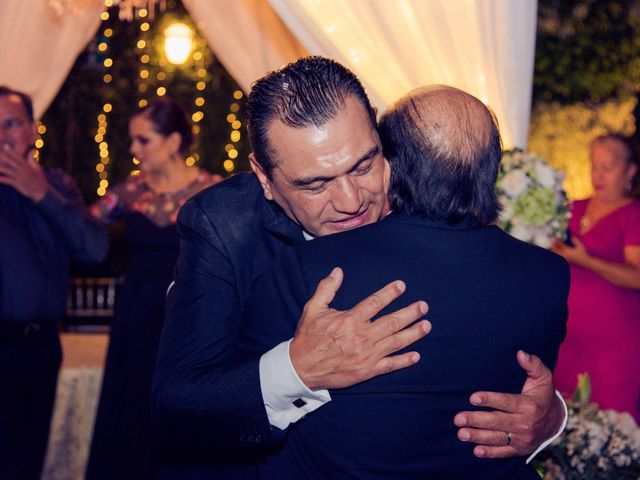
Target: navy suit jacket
x: 489, y: 295
x: 37, y: 240
x: 206, y: 404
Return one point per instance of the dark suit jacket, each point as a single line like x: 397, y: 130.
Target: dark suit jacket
x: 207, y: 405
x: 37, y: 240
x: 489, y: 295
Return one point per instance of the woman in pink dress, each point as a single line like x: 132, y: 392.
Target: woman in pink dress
x: 603, y: 330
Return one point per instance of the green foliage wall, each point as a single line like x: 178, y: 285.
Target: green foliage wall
x: 586, y: 81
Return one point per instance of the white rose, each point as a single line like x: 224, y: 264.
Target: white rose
x: 542, y: 241
x: 521, y: 233
x: 515, y: 183
x: 541, y: 235
x: 545, y: 174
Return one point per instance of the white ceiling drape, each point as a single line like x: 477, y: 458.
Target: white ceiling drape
x: 247, y: 36
x: 40, y: 45
x: 485, y: 47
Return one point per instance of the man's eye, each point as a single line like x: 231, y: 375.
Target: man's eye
x: 362, y: 169
x: 316, y: 188
x: 12, y: 123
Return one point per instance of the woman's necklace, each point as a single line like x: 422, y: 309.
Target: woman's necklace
x: 596, y: 211
x: 585, y: 222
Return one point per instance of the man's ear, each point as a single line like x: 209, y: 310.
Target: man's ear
x: 387, y: 176
x: 262, y: 176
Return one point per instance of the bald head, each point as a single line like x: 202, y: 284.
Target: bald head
x: 444, y: 149
x: 454, y: 123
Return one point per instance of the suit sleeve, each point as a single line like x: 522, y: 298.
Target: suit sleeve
x: 62, y: 205
x: 202, y: 393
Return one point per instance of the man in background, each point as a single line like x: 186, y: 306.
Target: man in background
x: 43, y: 224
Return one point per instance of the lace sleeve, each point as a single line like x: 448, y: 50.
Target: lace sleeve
x: 104, y: 208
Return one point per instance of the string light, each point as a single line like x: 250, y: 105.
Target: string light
x: 102, y: 119
x: 155, y: 77
x: 235, y: 135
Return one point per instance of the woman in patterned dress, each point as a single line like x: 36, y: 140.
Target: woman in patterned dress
x: 147, y: 204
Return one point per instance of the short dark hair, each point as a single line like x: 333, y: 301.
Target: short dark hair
x: 24, y: 98
x: 444, y: 162
x: 631, y: 155
x: 310, y: 91
x: 169, y: 116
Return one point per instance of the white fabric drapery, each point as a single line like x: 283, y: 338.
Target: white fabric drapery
x: 483, y: 47
x: 247, y: 36
x: 40, y: 44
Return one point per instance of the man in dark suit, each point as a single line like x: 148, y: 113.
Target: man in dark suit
x: 489, y: 295
x: 311, y: 112
x: 43, y: 224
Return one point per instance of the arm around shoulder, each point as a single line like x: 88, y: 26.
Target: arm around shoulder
x: 63, y: 207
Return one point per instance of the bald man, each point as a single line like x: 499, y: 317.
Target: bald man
x: 489, y: 295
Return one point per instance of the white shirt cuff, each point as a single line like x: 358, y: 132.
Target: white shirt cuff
x: 562, y: 427
x: 285, y: 397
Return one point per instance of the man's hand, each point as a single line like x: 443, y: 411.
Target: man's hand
x: 23, y: 174
x: 337, y: 349
x: 530, y: 418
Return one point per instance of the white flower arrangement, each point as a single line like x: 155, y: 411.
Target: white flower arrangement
x: 597, y: 444
x: 534, y: 204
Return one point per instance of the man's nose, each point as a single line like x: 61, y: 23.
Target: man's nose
x: 346, y: 196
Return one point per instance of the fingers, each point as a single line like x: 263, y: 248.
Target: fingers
x: 557, y: 246
x: 403, y: 339
x: 396, y: 321
x: 373, y: 304
x: 491, y: 438
x: 7, y: 166
x: 9, y: 155
x: 6, y: 180
x: 389, y: 332
x: 483, y: 451
x: 493, y: 441
x: 326, y: 290
x: 493, y: 421
x: 393, y: 363
x: 505, y: 402
x: 532, y: 365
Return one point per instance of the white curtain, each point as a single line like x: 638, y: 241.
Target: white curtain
x: 247, y: 36
x: 40, y: 44
x: 485, y: 47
